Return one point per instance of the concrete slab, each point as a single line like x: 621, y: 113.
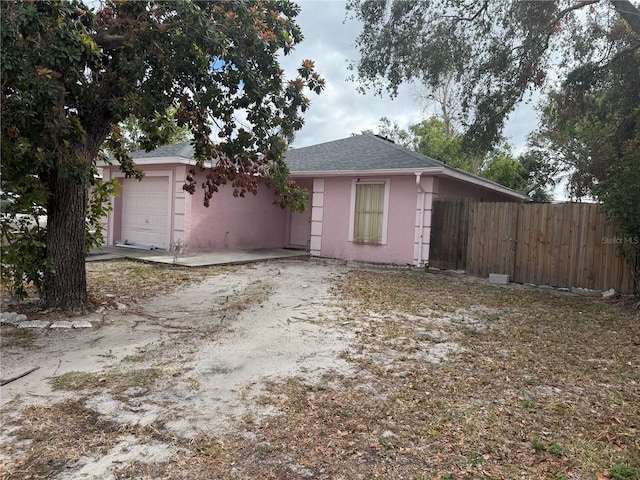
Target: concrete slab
x: 33, y: 324
x: 82, y: 324
x: 202, y: 259
x: 499, y: 278
x: 61, y: 324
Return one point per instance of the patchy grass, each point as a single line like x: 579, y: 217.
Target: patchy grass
x: 541, y: 385
x: 77, y: 381
x: 57, y: 436
x: 129, y: 282
x: 453, y: 379
x: 255, y: 293
x: 122, y: 281
x: 116, y: 380
x: 16, y: 337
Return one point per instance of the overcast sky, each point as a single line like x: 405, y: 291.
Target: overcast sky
x: 340, y: 110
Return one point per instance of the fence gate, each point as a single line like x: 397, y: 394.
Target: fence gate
x: 449, y: 232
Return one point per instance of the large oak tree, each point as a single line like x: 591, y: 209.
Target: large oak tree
x: 69, y: 76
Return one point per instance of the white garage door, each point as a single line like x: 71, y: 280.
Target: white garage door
x: 145, y: 211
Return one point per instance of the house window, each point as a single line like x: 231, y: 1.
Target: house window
x: 369, y: 209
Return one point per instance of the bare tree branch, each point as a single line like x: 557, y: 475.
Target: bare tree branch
x: 483, y: 8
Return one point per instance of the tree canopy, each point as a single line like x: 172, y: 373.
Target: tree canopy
x: 494, y: 50
x: 71, y: 75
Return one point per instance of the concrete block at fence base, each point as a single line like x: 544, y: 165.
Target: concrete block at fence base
x: 499, y: 278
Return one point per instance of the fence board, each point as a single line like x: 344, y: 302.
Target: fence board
x: 560, y: 245
x: 449, y: 232
x: 549, y: 242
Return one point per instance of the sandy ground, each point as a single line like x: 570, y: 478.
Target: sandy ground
x: 216, y: 344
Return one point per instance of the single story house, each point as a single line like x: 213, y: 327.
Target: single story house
x: 369, y: 200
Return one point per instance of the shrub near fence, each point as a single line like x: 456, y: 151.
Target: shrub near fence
x: 562, y: 245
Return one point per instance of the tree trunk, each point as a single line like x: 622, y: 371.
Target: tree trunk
x: 65, y: 283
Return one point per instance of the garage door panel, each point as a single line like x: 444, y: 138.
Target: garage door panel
x: 145, y: 205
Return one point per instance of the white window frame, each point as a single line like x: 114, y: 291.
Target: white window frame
x: 385, y: 213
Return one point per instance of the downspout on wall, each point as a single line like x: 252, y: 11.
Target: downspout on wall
x: 421, y: 221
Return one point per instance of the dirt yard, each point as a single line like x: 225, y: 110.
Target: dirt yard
x: 310, y: 369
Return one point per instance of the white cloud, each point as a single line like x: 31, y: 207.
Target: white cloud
x: 341, y: 110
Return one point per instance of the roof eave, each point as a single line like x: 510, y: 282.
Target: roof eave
x: 482, y: 183
x: 148, y: 161
x: 376, y: 172
x: 435, y: 171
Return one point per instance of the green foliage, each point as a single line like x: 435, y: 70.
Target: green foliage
x: 146, y: 134
x: 620, y: 193
x: 624, y: 472
x: 73, y: 79
x: 392, y: 131
x: 552, y: 447
x: 540, y: 173
x: 99, y: 207
x: 23, y: 224
x: 23, y: 253
x: 430, y: 138
x: 506, y: 170
x: 497, y: 52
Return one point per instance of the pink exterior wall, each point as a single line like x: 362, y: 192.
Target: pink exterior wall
x: 228, y: 223
x: 254, y: 222
x: 235, y: 223
x: 335, y: 223
x: 454, y: 189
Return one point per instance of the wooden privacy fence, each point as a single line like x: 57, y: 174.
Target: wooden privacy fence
x: 449, y: 233
x: 563, y: 245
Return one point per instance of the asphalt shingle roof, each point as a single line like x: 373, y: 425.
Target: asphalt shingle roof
x: 360, y: 152
x: 356, y: 153
x: 182, y: 149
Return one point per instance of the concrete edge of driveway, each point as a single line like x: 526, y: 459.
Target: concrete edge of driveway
x: 205, y: 259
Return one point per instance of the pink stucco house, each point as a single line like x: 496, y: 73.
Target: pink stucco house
x: 369, y: 200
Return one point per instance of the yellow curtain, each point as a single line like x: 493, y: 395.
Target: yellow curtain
x: 369, y: 213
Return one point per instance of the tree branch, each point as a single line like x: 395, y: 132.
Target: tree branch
x: 13, y: 379
x: 484, y: 6
x: 576, y: 6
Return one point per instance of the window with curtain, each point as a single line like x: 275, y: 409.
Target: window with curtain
x: 369, y: 213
